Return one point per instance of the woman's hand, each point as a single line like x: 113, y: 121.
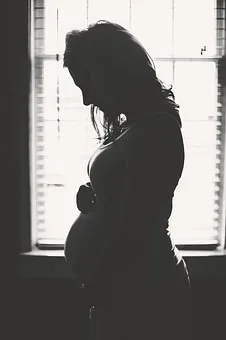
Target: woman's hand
x: 85, y: 198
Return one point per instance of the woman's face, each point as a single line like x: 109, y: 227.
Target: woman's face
x: 94, y: 90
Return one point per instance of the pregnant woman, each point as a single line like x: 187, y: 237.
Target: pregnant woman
x: 120, y: 245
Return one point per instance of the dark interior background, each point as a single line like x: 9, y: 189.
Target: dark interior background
x: 52, y: 308
x: 58, y: 306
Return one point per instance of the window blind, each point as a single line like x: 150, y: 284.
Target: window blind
x: 63, y: 137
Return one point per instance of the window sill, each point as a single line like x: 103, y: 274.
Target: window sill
x: 50, y: 264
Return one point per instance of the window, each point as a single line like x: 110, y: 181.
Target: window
x: 186, y: 55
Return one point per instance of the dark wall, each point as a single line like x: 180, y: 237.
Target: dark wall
x: 52, y: 309
x: 58, y: 307
x: 209, y: 301
x: 9, y: 157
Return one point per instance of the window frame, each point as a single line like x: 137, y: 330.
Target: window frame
x: 27, y: 235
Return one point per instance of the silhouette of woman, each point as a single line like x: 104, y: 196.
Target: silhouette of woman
x: 142, y: 290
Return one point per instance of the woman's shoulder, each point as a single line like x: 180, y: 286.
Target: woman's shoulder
x: 152, y: 128
x: 160, y: 130
x: 155, y: 124
x: 154, y: 135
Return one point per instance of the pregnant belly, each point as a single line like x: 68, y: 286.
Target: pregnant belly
x: 86, y: 242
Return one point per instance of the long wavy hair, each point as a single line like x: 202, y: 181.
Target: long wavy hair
x: 129, y: 72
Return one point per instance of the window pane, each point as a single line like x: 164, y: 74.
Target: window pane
x: 60, y: 96
x: 65, y: 171
x: 71, y: 101
x: 50, y: 27
x: 195, y: 89
x: 193, y: 206
x: 59, y: 141
x: 116, y: 11
x: 193, y: 213
x: 50, y: 89
x: 164, y: 71
x: 61, y: 17
x: 194, y: 27
x: 72, y: 15
x: 151, y: 23
x: 59, y: 208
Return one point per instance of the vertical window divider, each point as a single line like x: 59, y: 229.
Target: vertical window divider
x: 87, y: 12
x: 130, y: 14
x: 173, y: 27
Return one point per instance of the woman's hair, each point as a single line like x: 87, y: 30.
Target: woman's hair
x: 129, y: 71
